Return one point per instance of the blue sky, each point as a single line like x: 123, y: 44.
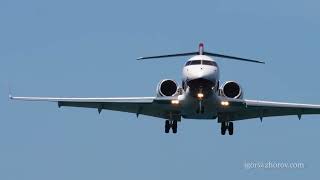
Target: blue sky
x: 88, y: 48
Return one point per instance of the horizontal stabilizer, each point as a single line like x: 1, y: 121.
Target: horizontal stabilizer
x: 202, y: 52
x: 233, y: 57
x: 169, y: 55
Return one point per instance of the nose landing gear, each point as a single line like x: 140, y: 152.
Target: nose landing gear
x: 200, y: 109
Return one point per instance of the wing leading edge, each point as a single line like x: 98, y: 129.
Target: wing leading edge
x: 150, y: 106
x: 162, y: 107
x: 260, y: 109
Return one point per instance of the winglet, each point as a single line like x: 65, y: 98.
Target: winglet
x: 9, y: 92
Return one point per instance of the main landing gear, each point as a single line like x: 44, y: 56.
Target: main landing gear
x: 171, y: 125
x: 226, y: 126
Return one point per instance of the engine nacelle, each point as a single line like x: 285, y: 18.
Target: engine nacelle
x: 167, y: 87
x: 231, y: 89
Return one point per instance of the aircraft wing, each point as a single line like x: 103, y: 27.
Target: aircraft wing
x: 248, y: 109
x: 160, y: 107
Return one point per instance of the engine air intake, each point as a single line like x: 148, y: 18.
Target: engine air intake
x: 167, y: 88
x: 232, y: 90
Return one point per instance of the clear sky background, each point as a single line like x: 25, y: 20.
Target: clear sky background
x: 88, y: 49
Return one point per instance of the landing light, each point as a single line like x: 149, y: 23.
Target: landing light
x: 175, y: 101
x: 200, y: 95
x: 224, y: 103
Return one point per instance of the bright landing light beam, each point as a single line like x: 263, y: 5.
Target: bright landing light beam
x: 200, y: 95
x: 174, y: 101
x: 224, y: 103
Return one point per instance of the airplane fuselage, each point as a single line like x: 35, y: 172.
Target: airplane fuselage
x: 200, y: 72
x: 200, y: 81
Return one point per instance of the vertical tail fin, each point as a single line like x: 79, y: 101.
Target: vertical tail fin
x: 201, y: 49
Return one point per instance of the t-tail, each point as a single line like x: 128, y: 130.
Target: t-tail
x: 201, y: 51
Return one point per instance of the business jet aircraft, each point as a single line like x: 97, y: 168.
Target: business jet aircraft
x: 199, y: 97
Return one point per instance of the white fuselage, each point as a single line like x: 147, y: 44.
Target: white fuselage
x: 196, y: 71
x: 200, y: 75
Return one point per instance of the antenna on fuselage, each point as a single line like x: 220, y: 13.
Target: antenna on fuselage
x: 202, y: 52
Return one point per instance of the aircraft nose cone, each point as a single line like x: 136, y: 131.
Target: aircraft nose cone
x: 210, y: 73
x: 205, y: 74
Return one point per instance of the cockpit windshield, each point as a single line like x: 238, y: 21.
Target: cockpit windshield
x: 203, y: 62
x: 195, y: 62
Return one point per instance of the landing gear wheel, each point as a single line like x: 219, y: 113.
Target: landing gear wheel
x: 174, y: 127
x: 223, y: 128
x: 230, y: 128
x: 167, y: 127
